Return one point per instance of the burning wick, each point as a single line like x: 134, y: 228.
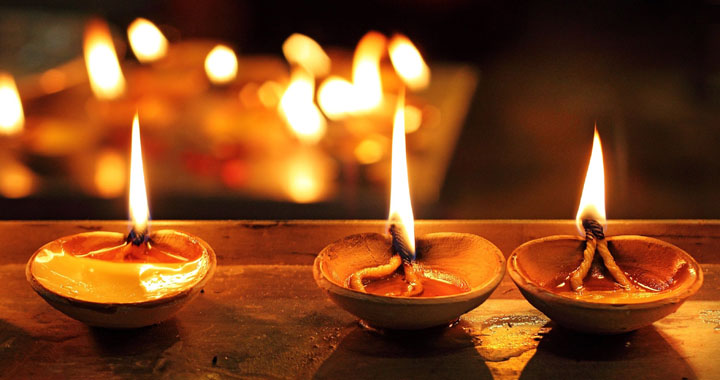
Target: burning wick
x: 401, y: 221
x: 400, y: 242
x: 136, y: 238
x: 590, y: 214
x: 595, y: 241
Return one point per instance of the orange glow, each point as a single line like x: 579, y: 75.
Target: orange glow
x: 139, y: 211
x: 305, y: 184
x: 53, y: 80
x: 413, y: 119
x: 146, y: 40
x: 106, y: 77
x: 336, y: 97
x: 408, y: 62
x: 12, y: 118
x: 248, y: 95
x: 369, y: 151
x: 366, y: 71
x: 592, y: 202
x: 221, y: 65
x: 301, y: 114
x: 302, y: 50
x: 305, y: 176
x: 270, y: 93
x: 110, y: 174
x: 400, y: 208
x: 16, y: 180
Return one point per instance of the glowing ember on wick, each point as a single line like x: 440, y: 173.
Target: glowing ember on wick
x: 591, y: 223
x: 12, y: 117
x: 106, y: 78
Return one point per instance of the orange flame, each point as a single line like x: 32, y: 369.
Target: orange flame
x: 408, y: 63
x: 221, y: 65
x: 302, y: 50
x: 301, y: 114
x: 336, y: 97
x: 139, y: 210
x: 400, y: 208
x: 146, y: 40
x: 366, y: 71
x: 592, y: 202
x: 106, y: 78
x: 12, y: 117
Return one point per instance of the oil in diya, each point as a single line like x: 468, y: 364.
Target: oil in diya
x: 107, y: 279
x: 395, y: 281
x: 598, y: 284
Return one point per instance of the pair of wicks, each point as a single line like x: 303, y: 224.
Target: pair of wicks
x: 401, y: 256
x: 595, y: 241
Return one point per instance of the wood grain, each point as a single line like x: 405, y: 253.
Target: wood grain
x: 262, y: 316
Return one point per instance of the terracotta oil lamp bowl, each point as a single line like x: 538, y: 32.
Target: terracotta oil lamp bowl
x: 664, y: 276
x: 396, y: 281
x: 92, y: 278
x: 108, y: 279
x: 599, y: 284
x: 463, y: 261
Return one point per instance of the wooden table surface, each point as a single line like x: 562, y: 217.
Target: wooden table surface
x: 262, y: 316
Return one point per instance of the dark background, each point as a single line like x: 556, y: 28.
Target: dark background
x: 648, y: 72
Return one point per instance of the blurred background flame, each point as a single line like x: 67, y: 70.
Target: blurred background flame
x: 294, y: 121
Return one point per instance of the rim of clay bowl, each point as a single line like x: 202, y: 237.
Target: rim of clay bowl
x: 675, y: 295
x: 326, y: 283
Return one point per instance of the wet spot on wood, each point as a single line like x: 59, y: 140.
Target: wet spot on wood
x: 711, y: 317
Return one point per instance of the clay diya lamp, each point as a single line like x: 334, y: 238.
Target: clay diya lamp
x: 107, y: 279
x: 599, y: 284
x: 393, y: 281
